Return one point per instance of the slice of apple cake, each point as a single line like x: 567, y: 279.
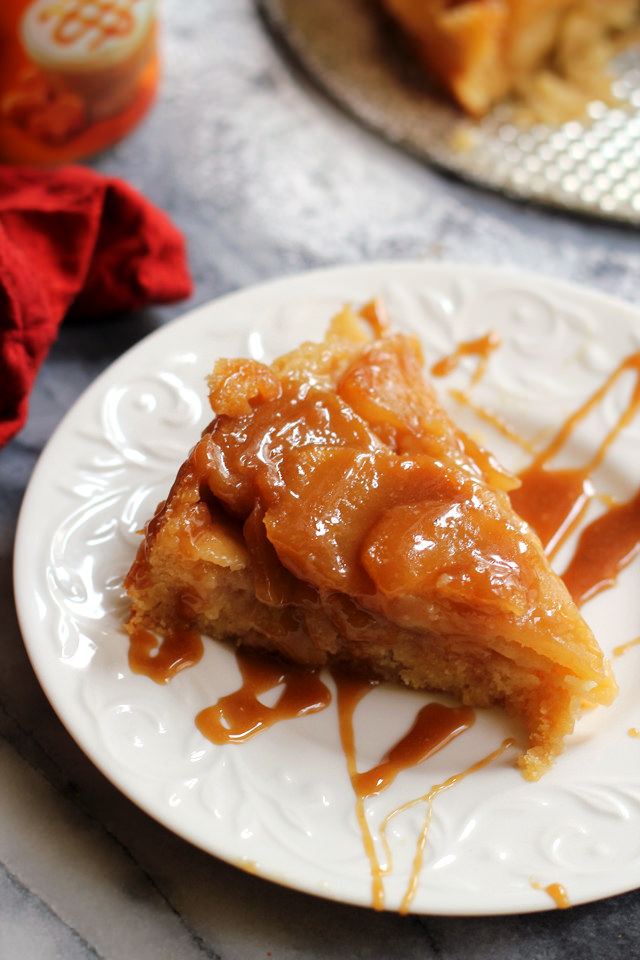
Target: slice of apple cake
x: 332, y: 513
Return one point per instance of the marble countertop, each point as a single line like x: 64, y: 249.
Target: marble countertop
x: 265, y: 178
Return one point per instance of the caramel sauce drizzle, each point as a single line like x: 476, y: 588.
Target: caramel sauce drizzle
x: 482, y: 348
x: 557, y: 893
x: 375, y: 313
x: 554, y: 501
x: 428, y: 799
x: 161, y: 660
x: 241, y: 715
x: 104, y: 18
x: 463, y: 398
x: 350, y: 691
x: 605, y: 547
x: 624, y: 647
x: 434, y: 727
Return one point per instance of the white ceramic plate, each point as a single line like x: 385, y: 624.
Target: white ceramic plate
x: 282, y: 805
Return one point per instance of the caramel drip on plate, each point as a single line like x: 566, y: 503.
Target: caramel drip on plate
x: 482, y: 348
x: 435, y: 726
x: 241, y: 714
x: 375, y: 313
x: 162, y: 659
x: 350, y: 691
x: 605, y: 547
x: 498, y: 423
x: 554, y: 501
x: 557, y: 893
x: 624, y: 647
x: 428, y: 799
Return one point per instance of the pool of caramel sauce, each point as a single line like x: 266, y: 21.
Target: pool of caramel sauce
x: 553, y: 501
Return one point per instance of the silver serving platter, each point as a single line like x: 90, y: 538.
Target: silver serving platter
x: 590, y: 167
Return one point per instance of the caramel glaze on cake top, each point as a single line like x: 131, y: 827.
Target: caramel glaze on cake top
x: 332, y: 512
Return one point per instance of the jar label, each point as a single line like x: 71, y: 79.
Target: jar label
x: 76, y: 77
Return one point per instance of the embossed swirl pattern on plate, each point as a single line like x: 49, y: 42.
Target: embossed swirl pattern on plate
x: 282, y: 804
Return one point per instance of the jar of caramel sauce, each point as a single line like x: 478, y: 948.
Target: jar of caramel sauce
x: 75, y: 75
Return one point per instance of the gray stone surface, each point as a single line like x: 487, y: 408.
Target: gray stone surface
x: 265, y: 178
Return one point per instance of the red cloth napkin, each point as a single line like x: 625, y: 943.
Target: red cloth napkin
x: 73, y: 242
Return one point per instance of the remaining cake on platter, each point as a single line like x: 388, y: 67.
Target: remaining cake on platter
x: 332, y: 513
x: 551, y: 54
